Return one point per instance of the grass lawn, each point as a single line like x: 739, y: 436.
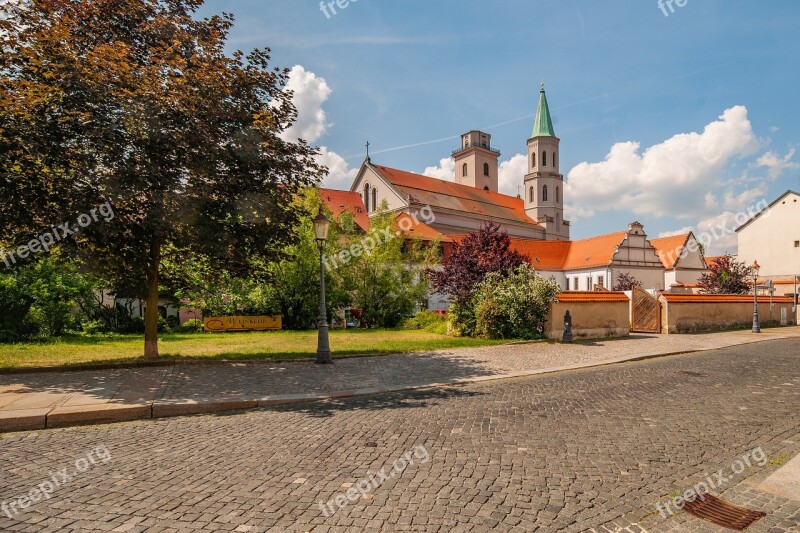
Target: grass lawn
x: 279, y: 345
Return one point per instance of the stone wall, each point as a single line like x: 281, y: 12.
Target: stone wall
x: 595, y: 315
x: 693, y: 313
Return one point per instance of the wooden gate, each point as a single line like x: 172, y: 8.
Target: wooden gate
x: 646, y: 312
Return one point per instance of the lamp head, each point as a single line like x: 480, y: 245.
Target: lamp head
x: 321, y: 226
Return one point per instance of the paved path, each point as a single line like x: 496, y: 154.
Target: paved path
x: 589, y: 450
x: 58, y: 398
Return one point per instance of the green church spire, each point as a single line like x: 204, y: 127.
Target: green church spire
x: 543, y: 125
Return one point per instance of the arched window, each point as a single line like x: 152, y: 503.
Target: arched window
x: 544, y: 193
x: 532, y: 195
x: 486, y: 169
x: 533, y: 160
x: 544, y: 159
x: 486, y: 188
x: 558, y: 194
x: 555, y: 159
x: 464, y: 170
x: 374, y: 198
x: 366, y: 197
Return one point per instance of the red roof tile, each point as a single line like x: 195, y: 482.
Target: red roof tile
x: 721, y: 298
x: 669, y: 249
x: 340, y: 201
x: 419, y: 229
x: 570, y: 255
x: 711, y: 260
x: 592, y: 296
x: 457, y: 197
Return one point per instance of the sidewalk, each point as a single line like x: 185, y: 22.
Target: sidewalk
x: 58, y: 398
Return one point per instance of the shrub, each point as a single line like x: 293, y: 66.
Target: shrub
x: 93, y: 327
x: 514, y: 305
x: 427, y: 321
x: 193, y: 325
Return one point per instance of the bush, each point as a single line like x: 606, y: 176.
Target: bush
x: 191, y: 326
x: 93, y: 327
x: 514, y: 306
x: 428, y: 321
x: 461, y: 320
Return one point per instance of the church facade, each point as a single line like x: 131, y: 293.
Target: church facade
x: 533, y: 219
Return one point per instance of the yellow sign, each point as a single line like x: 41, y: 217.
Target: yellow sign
x: 242, y: 323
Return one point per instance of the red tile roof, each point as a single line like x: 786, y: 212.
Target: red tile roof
x: 456, y: 197
x: 340, y: 201
x: 419, y: 229
x: 669, y: 249
x: 721, y: 298
x: 570, y: 255
x: 592, y: 296
x: 711, y: 260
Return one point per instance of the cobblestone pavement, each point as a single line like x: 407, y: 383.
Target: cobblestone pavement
x: 577, y: 451
x: 144, y: 390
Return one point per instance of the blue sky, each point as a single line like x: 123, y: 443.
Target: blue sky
x: 627, y: 86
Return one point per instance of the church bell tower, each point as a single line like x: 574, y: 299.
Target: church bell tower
x: 544, y: 185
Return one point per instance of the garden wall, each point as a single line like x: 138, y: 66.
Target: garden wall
x: 691, y: 313
x: 595, y: 315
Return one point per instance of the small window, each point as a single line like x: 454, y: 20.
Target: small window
x: 486, y: 188
x: 544, y: 193
x: 558, y: 194
x: 589, y: 283
x: 797, y: 244
x: 366, y: 197
x: 486, y: 169
x: 464, y: 170
x: 533, y: 160
x: 555, y: 159
x: 575, y: 284
x: 531, y: 195
x: 601, y: 281
x: 544, y: 159
x: 374, y: 198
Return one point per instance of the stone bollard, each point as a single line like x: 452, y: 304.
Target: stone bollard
x: 567, y: 329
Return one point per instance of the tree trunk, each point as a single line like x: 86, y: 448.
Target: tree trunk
x: 151, y: 312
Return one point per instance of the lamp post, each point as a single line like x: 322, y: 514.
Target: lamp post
x: 321, y: 227
x: 756, y: 325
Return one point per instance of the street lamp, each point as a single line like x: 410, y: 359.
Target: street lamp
x: 756, y: 325
x: 321, y: 227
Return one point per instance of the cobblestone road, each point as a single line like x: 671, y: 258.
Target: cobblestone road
x: 583, y: 450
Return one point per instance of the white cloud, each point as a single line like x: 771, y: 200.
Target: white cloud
x: 340, y: 175
x: 776, y: 164
x: 672, y: 177
x: 445, y: 171
x: 683, y: 231
x: 511, y: 174
x: 310, y: 92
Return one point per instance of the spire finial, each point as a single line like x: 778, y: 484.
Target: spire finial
x: 542, y: 86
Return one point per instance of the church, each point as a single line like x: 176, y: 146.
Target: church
x: 534, y: 220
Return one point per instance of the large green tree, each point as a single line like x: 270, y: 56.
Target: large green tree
x: 135, y: 105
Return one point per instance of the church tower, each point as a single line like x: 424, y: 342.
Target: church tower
x: 476, y: 161
x: 544, y: 185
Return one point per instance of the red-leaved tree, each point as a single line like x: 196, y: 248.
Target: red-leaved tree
x: 487, y: 250
x: 726, y: 275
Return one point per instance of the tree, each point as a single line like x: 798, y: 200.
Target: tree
x: 487, y: 250
x: 135, y: 106
x: 293, y: 288
x: 726, y: 275
x: 389, y: 281
x: 626, y: 282
x: 514, y: 305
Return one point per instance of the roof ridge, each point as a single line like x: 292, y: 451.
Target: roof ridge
x: 459, y: 185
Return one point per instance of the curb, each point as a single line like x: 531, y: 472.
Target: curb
x: 59, y: 417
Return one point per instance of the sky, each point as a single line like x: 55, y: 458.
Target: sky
x: 680, y: 117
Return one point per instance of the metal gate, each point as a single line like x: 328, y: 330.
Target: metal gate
x: 645, y: 313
